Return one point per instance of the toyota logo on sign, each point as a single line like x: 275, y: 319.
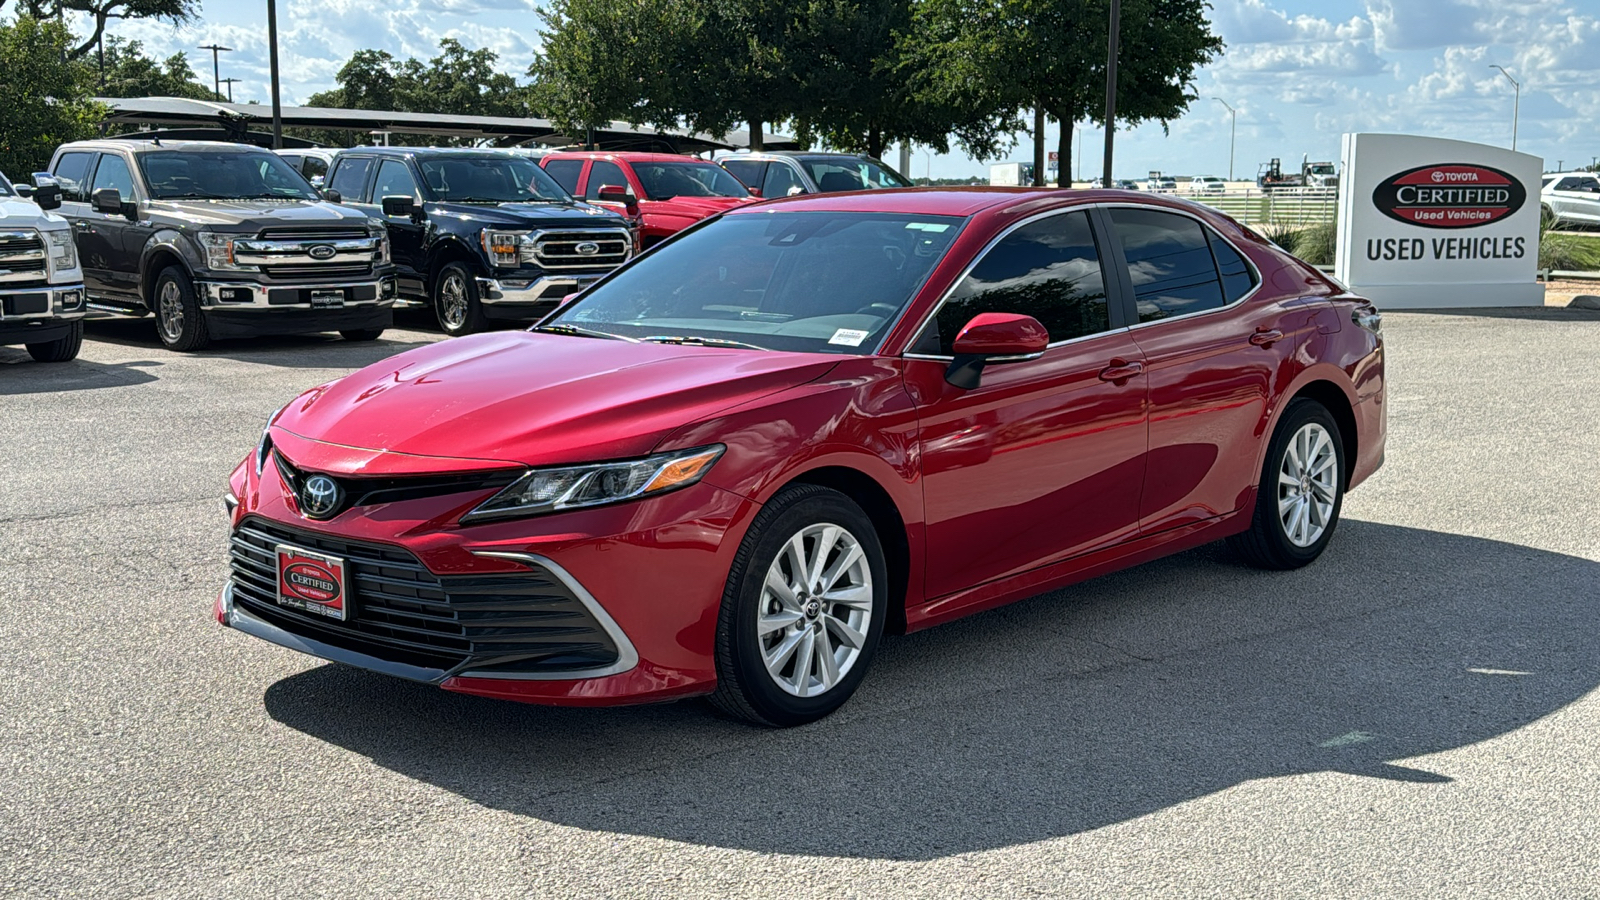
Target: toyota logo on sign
x: 587, y: 248
x: 322, y: 251
x: 320, y: 497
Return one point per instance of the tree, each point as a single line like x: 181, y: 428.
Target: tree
x: 48, y: 101
x: 129, y: 73
x: 1018, y: 55
x: 103, y: 11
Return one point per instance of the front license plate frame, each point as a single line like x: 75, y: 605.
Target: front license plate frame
x: 312, y: 582
x: 327, y: 299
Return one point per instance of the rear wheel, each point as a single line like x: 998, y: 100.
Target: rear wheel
x: 456, y: 302
x: 1301, y: 492
x: 362, y: 334
x: 802, y: 611
x: 61, y: 349
x: 179, y: 322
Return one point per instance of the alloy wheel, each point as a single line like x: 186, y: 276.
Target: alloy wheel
x: 816, y: 609
x: 453, y: 301
x: 169, y: 312
x: 1308, y: 482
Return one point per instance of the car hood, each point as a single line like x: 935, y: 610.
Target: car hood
x: 16, y: 212
x: 539, y: 399
x: 529, y: 215
x: 699, y: 207
x: 252, y: 214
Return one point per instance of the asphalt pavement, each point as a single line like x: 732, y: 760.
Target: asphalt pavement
x: 1415, y: 715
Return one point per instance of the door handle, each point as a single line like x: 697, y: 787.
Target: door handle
x: 1266, y: 337
x: 1121, y: 370
x: 84, y: 226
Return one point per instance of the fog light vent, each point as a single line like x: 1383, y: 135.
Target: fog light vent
x: 234, y: 295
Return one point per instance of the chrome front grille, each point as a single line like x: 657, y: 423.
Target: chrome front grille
x: 22, y: 257
x: 314, y: 251
x: 597, y: 249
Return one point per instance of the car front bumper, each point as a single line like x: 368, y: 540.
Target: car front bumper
x: 30, y: 314
x: 251, y: 296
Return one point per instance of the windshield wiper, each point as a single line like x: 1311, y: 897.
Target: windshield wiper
x: 699, y: 341
x: 583, y: 332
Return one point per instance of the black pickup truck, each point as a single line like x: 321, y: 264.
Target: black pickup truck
x: 220, y: 240
x: 481, y: 235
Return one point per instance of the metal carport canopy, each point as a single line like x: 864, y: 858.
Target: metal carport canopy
x: 240, y: 117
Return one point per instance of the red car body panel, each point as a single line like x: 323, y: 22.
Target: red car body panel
x: 1046, y: 474
x: 659, y: 218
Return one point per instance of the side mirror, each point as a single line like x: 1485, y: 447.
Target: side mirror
x: 611, y: 193
x: 400, y: 205
x: 48, y: 196
x: 993, y: 338
x: 332, y: 196
x: 754, y: 192
x: 24, y: 190
x: 106, y: 200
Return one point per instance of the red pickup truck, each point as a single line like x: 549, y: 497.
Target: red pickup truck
x: 671, y: 192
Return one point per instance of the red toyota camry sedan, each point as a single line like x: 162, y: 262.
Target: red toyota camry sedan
x: 732, y: 465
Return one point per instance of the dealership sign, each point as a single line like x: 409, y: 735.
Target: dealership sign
x: 1427, y: 222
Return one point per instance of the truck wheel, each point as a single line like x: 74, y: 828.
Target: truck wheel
x: 61, y: 349
x: 362, y: 334
x: 179, y: 322
x: 455, y: 301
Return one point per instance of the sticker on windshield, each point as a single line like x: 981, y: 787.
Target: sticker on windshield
x: 934, y: 227
x: 848, y: 337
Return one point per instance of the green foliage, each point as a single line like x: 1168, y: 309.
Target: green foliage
x: 47, y: 101
x: 1568, y: 252
x: 1315, y: 244
x: 101, y: 12
x: 129, y: 73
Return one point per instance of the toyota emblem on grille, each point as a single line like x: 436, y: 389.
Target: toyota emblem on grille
x: 322, y: 251
x: 587, y: 248
x: 320, y: 496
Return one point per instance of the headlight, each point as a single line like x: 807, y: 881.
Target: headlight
x: 264, y: 446
x: 383, y: 247
x: 575, y: 487
x: 63, y: 254
x: 219, y: 251
x: 503, y: 247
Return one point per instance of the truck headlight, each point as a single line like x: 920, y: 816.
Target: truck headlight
x: 504, y: 248
x: 63, y: 252
x: 575, y: 487
x: 383, y: 247
x: 219, y: 252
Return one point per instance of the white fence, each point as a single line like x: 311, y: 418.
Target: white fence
x: 1282, y: 207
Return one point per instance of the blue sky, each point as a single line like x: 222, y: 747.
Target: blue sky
x: 1299, y: 73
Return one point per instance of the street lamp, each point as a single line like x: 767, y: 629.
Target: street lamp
x: 1112, y: 38
x: 230, y: 82
x: 272, y: 43
x: 1233, y: 129
x: 1516, y: 104
x: 216, y: 73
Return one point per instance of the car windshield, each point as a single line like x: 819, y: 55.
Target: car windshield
x: 851, y: 173
x: 665, y: 180
x: 827, y: 282
x: 222, y: 175
x: 489, y: 179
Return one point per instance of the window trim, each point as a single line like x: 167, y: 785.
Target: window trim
x: 1132, y: 298
x: 1094, y: 229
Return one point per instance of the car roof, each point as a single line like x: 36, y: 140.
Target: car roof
x: 626, y: 156
x: 436, y: 151
x: 938, y: 201
x: 146, y: 145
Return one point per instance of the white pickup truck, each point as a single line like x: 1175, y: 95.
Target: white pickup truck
x: 41, y: 281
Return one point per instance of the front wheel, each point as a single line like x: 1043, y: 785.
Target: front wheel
x: 61, y: 349
x: 1301, y: 492
x: 802, y: 610
x: 179, y: 322
x: 456, y: 301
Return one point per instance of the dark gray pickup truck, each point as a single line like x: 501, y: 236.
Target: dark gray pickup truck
x: 219, y: 241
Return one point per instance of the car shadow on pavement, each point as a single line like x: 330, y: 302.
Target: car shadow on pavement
x: 326, y: 350
x: 20, y: 374
x: 1071, y: 711
x: 1535, y: 313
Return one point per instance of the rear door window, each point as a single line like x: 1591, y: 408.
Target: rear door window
x: 1049, y: 269
x: 314, y: 167
x: 1169, y: 262
x: 565, y: 172
x: 782, y: 180
x: 71, y: 171
x: 1237, y: 276
x: 350, y: 177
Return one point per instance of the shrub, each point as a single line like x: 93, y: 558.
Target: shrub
x: 1569, y: 252
x: 1316, y: 244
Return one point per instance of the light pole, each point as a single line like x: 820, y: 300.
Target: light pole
x: 1111, y: 84
x: 216, y: 73
x: 230, y: 82
x: 1516, y: 104
x: 1233, y: 130
x: 272, y: 43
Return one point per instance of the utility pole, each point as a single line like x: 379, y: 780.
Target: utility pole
x: 1516, y: 104
x: 216, y: 72
x: 1038, y: 147
x: 1233, y: 130
x: 1111, y: 85
x: 272, y: 42
x: 229, y: 82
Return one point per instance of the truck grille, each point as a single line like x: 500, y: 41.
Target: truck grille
x: 21, y: 257
x: 317, y: 271
x: 527, y: 622
x: 600, y: 248
x: 313, y: 234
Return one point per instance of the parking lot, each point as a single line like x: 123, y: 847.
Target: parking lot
x: 1414, y: 715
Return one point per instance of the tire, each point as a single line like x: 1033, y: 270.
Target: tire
x: 362, y: 334
x: 746, y: 688
x: 180, y: 323
x: 1311, y: 504
x: 456, y: 302
x: 62, y: 349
